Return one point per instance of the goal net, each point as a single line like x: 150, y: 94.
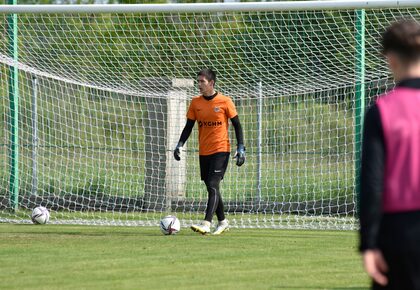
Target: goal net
x: 94, y: 103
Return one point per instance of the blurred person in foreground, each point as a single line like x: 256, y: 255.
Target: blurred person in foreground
x: 390, y: 173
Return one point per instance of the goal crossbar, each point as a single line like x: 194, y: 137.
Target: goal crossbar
x: 210, y: 7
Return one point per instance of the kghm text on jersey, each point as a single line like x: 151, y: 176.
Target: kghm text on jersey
x: 209, y: 123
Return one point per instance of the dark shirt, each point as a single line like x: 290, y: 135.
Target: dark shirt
x: 372, y: 179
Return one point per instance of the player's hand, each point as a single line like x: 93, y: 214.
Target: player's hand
x: 375, y: 266
x: 240, y: 155
x: 177, y: 152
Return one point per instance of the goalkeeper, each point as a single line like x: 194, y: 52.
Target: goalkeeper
x: 212, y: 110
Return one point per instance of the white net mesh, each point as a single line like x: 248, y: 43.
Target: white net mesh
x: 106, y: 88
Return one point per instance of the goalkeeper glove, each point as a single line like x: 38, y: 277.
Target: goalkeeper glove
x: 177, y: 151
x: 240, y: 155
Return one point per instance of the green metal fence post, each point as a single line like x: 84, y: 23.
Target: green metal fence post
x: 359, y: 95
x: 14, y: 110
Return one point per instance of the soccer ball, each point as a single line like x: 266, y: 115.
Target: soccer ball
x: 40, y: 215
x: 170, y: 225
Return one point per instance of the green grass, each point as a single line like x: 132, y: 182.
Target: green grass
x: 84, y: 257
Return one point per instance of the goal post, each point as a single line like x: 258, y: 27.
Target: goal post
x: 101, y: 93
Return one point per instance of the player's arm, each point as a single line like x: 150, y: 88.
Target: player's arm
x: 186, y: 132
x: 240, y: 151
x: 372, y: 178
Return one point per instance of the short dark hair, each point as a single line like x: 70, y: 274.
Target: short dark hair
x: 403, y: 38
x: 208, y: 73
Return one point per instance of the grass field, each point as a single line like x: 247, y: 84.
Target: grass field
x: 84, y: 257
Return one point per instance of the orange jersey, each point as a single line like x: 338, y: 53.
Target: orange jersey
x: 212, y: 118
